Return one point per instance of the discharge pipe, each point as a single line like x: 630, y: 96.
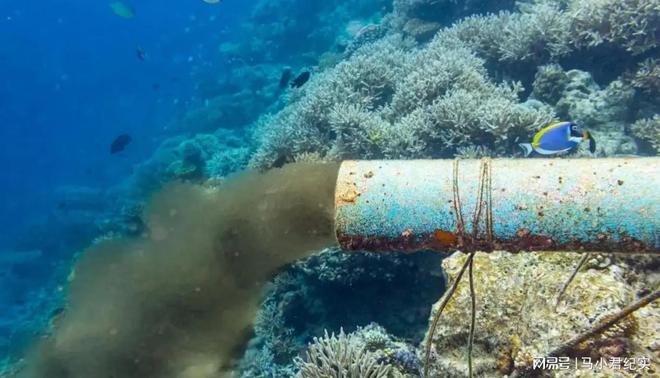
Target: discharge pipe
x: 583, y: 205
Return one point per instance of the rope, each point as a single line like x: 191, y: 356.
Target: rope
x: 443, y: 304
x: 458, y: 208
x: 473, y: 314
x: 583, y: 259
x: 484, y: 189
x: 489, y: 195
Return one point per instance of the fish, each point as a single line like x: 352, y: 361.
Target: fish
x: 122, y: 9
x: 558, y: 138
x: 120, y: 143
x: 212, y: 1
x: 140, y: 53
x: 284, y: 79
x: 300, y: 80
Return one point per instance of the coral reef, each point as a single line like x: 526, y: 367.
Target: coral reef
x: 312, y: 296
x: 549, y: 83
x: 517, y: 319
x: 429, y: 79
x: 606, y: 113
x: 538, y: 32
x: 421, y: 19
x: 583, y: 101
x: 387, y: 101
x: 647, y: 77
x: 632, y: 25
x: 196, y: 158
x: 368, y: 352
x: 416, y: 110
x: 648, y: 129
x: 342, y: 356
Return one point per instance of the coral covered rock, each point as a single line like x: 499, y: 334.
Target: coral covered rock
x: 333, y: 290
x: 518, y: 319
x: 648, y: 129
x: 599, y: 109
x: 549, y: 83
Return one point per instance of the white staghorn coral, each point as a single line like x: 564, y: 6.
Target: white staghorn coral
x: 392, y: 100
x: 389, y: 102
x: 633, y: 25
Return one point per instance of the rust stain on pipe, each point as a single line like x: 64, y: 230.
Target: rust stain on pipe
x: 608, y: 205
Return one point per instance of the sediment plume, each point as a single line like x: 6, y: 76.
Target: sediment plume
x: 179, y: 301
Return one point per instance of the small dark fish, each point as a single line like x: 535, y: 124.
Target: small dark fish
x: 300, y: 80
x: 155, y: 86
x: 140, y: 53
x: 120, y: 143
x: 286, y: 76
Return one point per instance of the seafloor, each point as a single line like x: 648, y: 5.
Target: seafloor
x: 390, y: 79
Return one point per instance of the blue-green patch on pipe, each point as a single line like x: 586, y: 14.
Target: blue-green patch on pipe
x: 609, y: 205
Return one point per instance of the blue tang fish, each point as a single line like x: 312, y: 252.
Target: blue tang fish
x: 558, y: 138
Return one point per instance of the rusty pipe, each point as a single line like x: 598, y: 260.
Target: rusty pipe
x: 608, y: 205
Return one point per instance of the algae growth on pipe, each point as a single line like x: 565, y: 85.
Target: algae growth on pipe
x: 537, y: 204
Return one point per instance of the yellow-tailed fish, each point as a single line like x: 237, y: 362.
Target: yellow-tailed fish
x: 558, y: 138
x: 122, y: 9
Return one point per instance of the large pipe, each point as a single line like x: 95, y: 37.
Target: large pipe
x: 609, y: 205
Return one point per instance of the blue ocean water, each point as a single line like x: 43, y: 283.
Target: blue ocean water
x: 72, y: 82
x: 205, y: 90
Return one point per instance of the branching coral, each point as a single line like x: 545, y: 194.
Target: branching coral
x: 340, y: 356
x: 422, y: 18
x: 493, y: 118
x: 366, y: 81
x: 387, y: 102
x: 545, y: 29
x: 434, y: 71
x: 537, y: 32
x: 647, y: 77
x: 226, y: 161
x: 632, y: 24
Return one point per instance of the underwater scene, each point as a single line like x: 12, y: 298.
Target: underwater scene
x: 330, y: 189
